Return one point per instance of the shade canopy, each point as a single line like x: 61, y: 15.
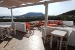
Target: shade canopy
x: 14, y: 3
x: 23, y: 3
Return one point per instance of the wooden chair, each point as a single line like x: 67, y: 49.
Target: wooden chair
x: 29, y: 28
x: 46, y: 37
x: 60, y: 22
x: 55, y: 22
x: 40, y: 24
x: 12, y: 30
x: 48, y: 21
x: 2, y: 33
x: 64, y: 42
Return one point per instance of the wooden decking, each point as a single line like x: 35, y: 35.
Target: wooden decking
x: 23, y: 41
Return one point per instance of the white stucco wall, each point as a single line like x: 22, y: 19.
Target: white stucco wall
x: 20, y: 26
x: 68, y: 23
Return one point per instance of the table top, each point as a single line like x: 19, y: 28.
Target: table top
x: 5, y: 26
x: 59, y: 33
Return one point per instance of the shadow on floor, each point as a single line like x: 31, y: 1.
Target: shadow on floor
x: 20, y: 35
x: 6, y: 39
x: 54, y: 47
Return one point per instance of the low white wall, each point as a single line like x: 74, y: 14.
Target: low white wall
x: 5, y: 23
x: 21, y: 27
x: 68, y: 23
x: 9, y: 23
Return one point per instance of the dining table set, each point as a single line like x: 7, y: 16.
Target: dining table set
x: 4, y: 31
x: 57, y: 34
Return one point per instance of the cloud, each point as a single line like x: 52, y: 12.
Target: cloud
x: 53, y: 9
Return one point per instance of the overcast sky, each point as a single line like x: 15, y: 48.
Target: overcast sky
x: 53, y: 9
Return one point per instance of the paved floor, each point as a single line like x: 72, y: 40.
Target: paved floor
x: 23, y: 41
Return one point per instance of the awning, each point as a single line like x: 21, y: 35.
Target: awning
x: 14, y: 3
x: 23, y: 3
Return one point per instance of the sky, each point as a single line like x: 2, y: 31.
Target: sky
x: 53, y: 8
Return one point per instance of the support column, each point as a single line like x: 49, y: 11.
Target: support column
x: 12, y: 24
x: 46, y: 15
x: 46, y: 19
x: 11, y: 15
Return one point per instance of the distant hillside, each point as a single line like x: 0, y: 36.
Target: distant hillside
x: 30, y: 14
x: 33, y: 14
x: 72, y: 12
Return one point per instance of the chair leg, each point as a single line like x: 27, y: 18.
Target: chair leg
x: 39, y: 28
x: 8, y: 32
x: 15, y: 32
x: 32, y: 32
x: 57, y: 44
x: 2, y: 37
x: 66, y: 46
x: 44, y: 40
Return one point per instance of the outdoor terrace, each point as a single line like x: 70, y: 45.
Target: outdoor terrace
x: 24, y: 41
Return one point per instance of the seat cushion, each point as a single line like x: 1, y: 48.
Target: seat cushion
x: 48, y: 36
x: 52, y: 25
x: 64, y: 38
x: 10, y: 29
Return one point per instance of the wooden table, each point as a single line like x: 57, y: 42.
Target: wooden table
x: 57, y: 33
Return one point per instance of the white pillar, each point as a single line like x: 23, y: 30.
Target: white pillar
x: 46, y: 19
x: 11, y: 15
x: 12, y: 24
x: 46, y: 15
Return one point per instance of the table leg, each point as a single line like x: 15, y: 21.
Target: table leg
x: 2, y: 37
x: 15, y: 32
x: 61, y: 43
x: 51, y: 41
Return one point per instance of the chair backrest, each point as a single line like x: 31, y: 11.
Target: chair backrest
x: 55, y: 22
x: 47, y: 30
x: 1, y: 31
x: 48, y: 21
x: 40, y: 23
x: 28, y: 25
x: 60, y: 22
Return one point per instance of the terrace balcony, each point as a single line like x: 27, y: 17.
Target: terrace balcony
x: 25, y: 41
